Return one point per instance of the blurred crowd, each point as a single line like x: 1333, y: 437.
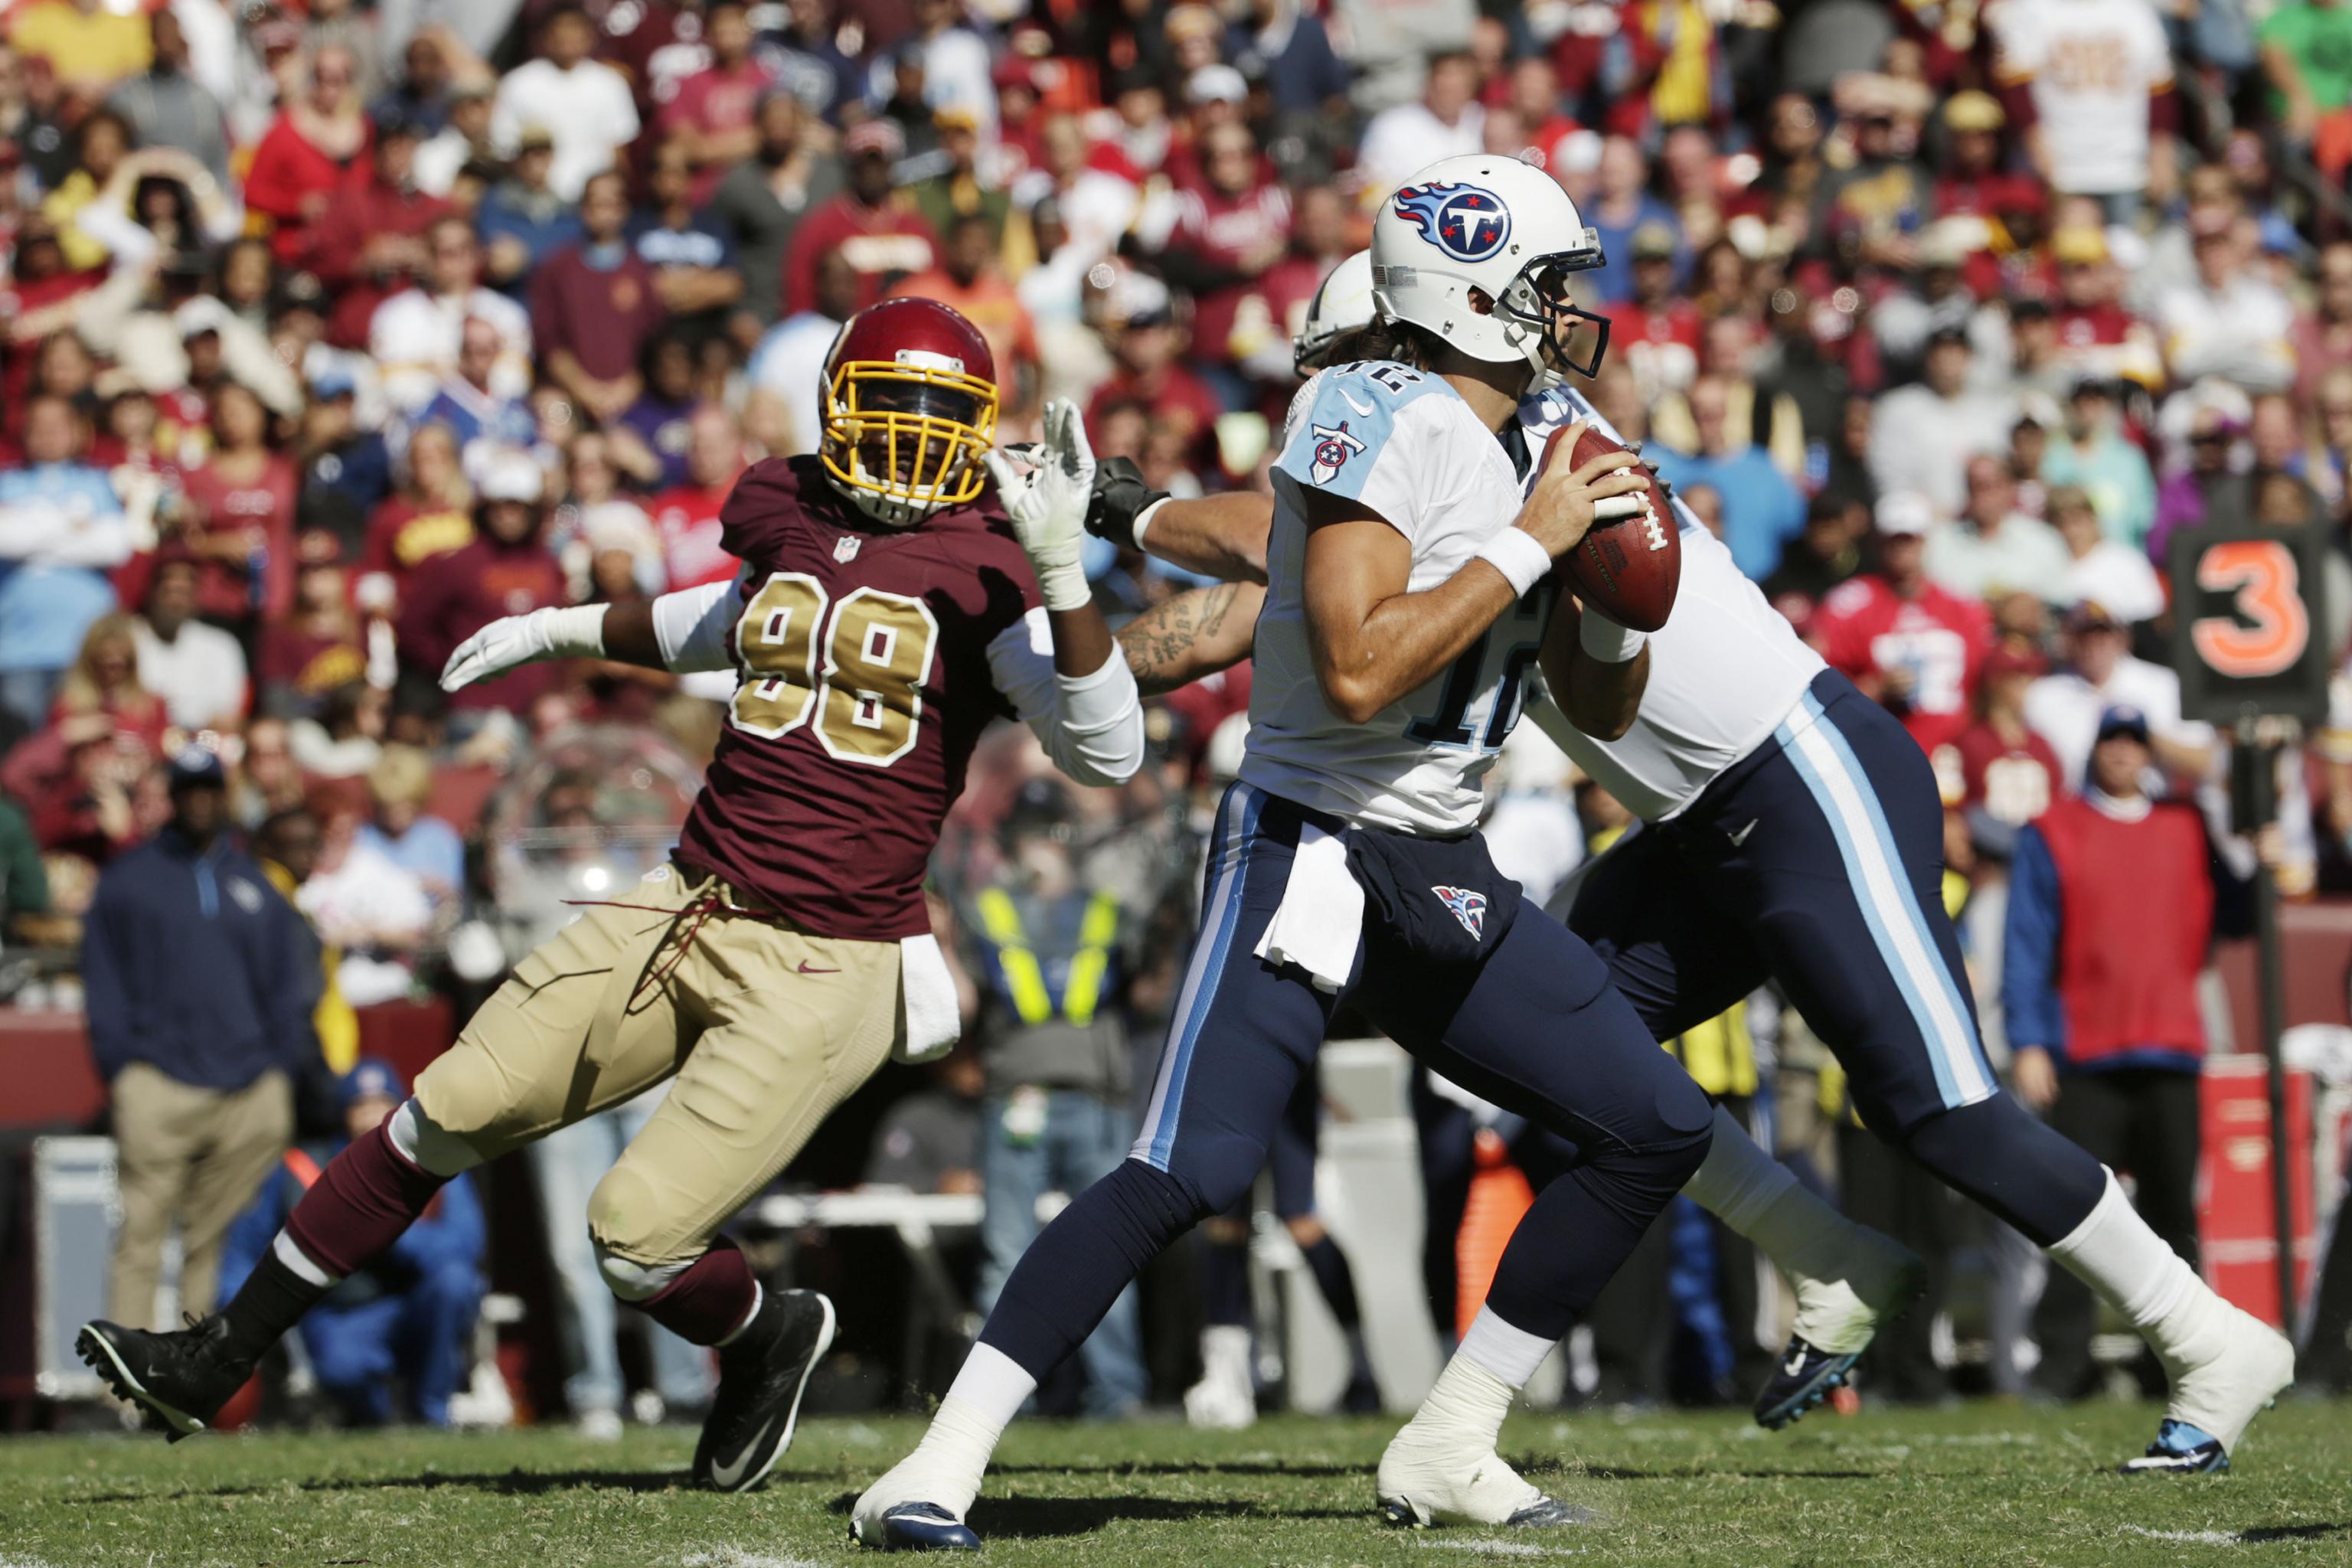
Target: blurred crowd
x: 330, y: 331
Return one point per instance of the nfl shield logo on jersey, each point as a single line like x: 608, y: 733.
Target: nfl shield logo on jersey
x: 845, y: 547
x: 1333, y: 448
x: 1469, y: 908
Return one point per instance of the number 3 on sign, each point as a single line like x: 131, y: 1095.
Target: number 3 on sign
x: 868, y: 698
x: 2270, y: 628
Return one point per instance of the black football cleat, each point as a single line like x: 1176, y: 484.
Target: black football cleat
x: 762, y: 1377
x: 181, y: 1378
x: 1801, y: 1379
x: 918, y: 1527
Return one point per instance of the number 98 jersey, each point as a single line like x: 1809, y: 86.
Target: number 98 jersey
x: 864, y: 660
x: 1406, y: 446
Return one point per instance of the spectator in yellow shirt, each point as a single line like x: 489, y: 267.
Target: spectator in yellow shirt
x: 90, y: 47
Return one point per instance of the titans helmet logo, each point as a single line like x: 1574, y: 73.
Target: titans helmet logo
x: 1464, y: 222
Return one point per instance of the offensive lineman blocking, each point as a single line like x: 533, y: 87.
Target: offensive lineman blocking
x: 1407, y: 598
x: 1791, y: 829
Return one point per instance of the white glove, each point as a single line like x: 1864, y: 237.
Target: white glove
x: 574, y: 632
x: 1048, y: 504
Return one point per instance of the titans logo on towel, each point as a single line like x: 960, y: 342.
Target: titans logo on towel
x: 1469, y: 908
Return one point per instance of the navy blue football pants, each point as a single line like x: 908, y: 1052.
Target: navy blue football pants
x: 1533, y: 1025
x: 1818, y: 860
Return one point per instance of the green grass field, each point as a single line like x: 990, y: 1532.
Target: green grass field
x: 1986, y: 1483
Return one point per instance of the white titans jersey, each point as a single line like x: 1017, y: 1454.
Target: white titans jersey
x: 1405, y: 444
x: 1723, y: 670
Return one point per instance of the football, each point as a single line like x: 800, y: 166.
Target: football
x: 1627, y: 567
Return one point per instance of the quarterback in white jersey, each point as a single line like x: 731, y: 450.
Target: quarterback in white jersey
x: 1410, y: 584
x: 1792, y: 831
x: 1404, y: 446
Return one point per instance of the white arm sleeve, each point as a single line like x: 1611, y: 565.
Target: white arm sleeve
x: 691, y: 625
x: 1091, y: 725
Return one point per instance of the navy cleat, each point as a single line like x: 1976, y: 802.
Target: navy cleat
x: 2180, y: 1449
x: 917, y: 1527
x: 1803, y: 1377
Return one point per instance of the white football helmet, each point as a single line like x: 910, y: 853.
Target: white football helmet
x: 1500, y: 226
x: 1343, y: 304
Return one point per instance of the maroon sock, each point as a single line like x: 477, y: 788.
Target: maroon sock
x: 358, y: 1206
x: 710, y: 1300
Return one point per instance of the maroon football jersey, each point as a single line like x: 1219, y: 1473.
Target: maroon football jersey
x: 862, y: 652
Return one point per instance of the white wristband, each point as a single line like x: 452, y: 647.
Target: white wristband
x: 576, y: 631
x: 1606, y: 640
x: 1143, y: 517
x: 1516, y: 554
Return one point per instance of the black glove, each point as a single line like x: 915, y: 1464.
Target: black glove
x: 1120, y: 497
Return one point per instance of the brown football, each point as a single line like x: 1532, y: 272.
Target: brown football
x: 1627, y: 568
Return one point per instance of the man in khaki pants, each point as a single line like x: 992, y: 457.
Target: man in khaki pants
x: 201, y: 982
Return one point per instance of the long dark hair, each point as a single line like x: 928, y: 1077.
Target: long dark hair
x: 1403, y: 342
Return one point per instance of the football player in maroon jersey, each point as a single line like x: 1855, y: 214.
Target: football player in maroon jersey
x: 890, y: 606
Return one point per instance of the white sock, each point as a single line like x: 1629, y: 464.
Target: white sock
x: 759, y: 1297
x: 946, y: 1466
x: 1759, y: 1198
x: 304, y: 1267
x: 2116, y: 1255
x: 1464, y: 1412
x: 1225, y: 1354
x: 1511, y: 1354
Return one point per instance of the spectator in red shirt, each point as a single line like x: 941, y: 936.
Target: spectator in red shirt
x: 317, y: 650
x: 1975, y: 181
x: 1903, y: 641
x: 370, y: 240
x: 506, y: 571
x: 714, y: 114
x: 1658, y: 329
x: 686, y: 517
x: 427, y: 517
x: 2009, y: 775
x: 593, y: 305
x: 242, y: 502
x: 881, y: 237
x: 970, y: 280
x: 315, y: 147
x: 1146, y: 348
x: 1230, y: 232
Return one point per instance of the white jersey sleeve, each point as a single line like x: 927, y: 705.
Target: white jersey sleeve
x: 1725, y: 669
x: 1406, y: 444
x: 1363, y: 433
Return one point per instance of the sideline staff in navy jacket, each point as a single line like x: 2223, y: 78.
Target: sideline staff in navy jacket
x: 200, y: 980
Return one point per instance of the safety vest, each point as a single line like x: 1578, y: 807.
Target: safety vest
x: 1026, y: 977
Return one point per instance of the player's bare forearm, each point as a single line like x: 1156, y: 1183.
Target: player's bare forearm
x: 1196, y: 633
x: 1082, y: 640
x: 1219, y: 536
x: 629, y: 636
x: 1375, y: 641
x: 1599, y: 697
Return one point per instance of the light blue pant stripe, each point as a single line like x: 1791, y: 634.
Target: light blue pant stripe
x: 1946, y: 1089
x: 1217, y: 928
x: 1969, y: 1044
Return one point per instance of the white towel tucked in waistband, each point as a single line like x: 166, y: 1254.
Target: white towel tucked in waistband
x: 1322, y: 915
x: 930, y: 1021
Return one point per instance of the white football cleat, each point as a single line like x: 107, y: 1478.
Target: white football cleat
x: 917, y: 1506
x: 1225, y: 1400
x: 1421, y: 1483
x: 2216, y: 1397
